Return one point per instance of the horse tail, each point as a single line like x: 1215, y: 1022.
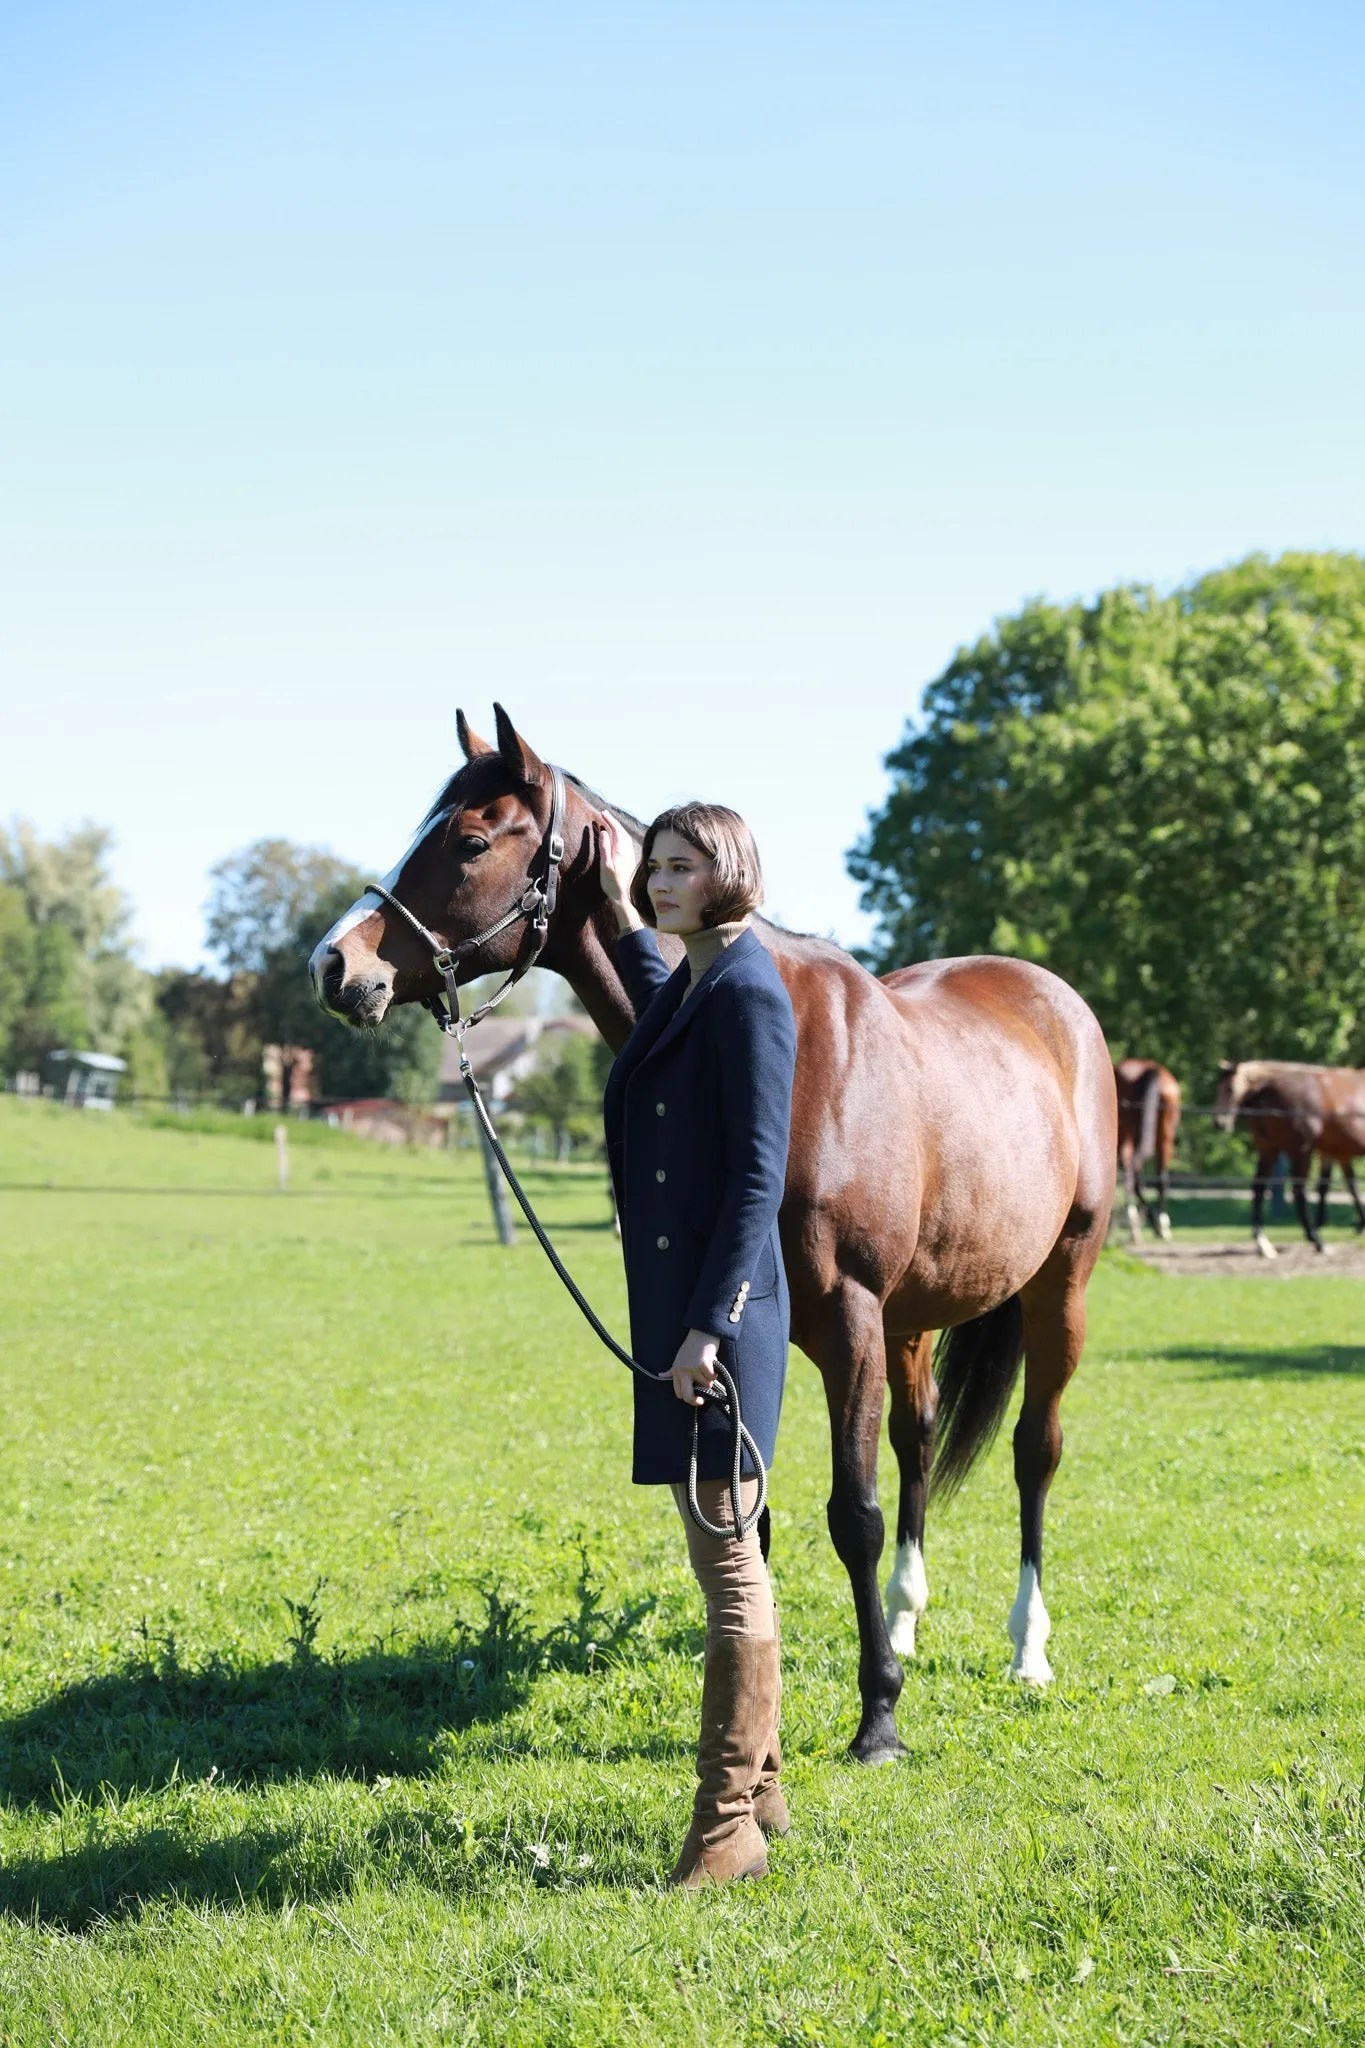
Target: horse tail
x: 1150, y: 1102
x: 975, y: 1366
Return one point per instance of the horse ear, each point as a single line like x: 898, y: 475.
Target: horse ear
x: 522, y: 762
x: 470, y: 742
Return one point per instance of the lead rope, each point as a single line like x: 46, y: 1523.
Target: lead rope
x: 536, y: 906
x: 725, y: 1395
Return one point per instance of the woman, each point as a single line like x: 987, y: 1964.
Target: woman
x: 697, y: 1112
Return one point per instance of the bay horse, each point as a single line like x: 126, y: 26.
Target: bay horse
x: 1149, y: 1117
x: 951, y: 1167
x: 1291, y: 1108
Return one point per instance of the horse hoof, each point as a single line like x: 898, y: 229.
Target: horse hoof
x: 1324, y: 1251
x: 1032, y: 1669
x: 1265, y: 1247
x: 877, y: 1746
x: 1163, y: 1225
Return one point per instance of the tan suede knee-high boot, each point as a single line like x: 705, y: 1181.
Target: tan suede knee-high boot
x: 724, y: 1841
x: 770, y: 1808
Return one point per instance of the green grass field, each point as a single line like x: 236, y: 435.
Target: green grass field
x: 348, y: 1689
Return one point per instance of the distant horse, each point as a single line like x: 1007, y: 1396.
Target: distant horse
x: 951, y: 1168
x: 1149, y: 1117
x: 1298, y: 1110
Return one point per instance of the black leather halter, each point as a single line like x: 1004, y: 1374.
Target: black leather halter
x: 535, y: 907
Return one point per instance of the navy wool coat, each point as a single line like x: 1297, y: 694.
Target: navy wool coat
x: 698, y: 1115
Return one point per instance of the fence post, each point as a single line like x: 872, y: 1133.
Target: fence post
x: 497, y: 1186
x: 281, y: 1157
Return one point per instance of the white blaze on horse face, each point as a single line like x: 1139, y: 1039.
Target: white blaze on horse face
x: 1030, y: 1628
x: 366, y: 905
x: 907, y: 1596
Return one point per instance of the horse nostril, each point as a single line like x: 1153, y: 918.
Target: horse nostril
x: 331, y: 974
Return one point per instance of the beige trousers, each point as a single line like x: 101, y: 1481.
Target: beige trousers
x: 732, y: 1576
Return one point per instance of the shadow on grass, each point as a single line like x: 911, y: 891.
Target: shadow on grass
x: 1234, y: 1361
x: 383, y: 1713
x: 99, y: 1876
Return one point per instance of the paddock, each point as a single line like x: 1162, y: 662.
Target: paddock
x: 317, y: 1724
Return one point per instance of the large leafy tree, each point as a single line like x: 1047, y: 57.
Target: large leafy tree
x: 70, y: 978
x: 1160, y: 798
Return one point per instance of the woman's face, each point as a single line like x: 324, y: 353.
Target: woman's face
x: 678, y: 885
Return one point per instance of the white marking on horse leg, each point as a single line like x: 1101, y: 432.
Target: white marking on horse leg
x: 1030, y: 1628
x: 1134, y: 1223
x: 1265, y: 1247
x: 907, y: 1596
x: 1163, y: 1225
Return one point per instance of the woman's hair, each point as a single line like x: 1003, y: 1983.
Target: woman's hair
x: 723, y: 836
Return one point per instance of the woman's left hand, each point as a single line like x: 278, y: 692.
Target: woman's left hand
x: 694, y: 1368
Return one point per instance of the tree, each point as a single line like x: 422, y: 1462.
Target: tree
x: 564, y: 1092
x: 1162, y: 799
x: 64, y: 924
x: 261, y: 895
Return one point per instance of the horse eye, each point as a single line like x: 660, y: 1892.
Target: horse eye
x: 471, y: 847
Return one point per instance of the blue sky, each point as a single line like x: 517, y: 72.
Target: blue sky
x: 692, y: 378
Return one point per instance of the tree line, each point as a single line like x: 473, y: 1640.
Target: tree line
x: 1162, y: 798
x: 71, y: 979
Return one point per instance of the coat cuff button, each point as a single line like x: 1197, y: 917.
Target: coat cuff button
x: 662, y: 1243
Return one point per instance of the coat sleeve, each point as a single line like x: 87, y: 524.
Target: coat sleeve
x: 642, y: 966
x: 757, y: 1034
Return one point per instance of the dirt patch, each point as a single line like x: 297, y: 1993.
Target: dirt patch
x: 1241, y: 1260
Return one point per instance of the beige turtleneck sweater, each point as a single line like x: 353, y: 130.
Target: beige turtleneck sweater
x: 704, y: 948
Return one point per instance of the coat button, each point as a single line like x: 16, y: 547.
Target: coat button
x: 659, y: 1174
x: 659, y: 1108
x: 662, y: 1243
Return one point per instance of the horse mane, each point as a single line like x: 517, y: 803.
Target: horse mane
x: 473, y: 780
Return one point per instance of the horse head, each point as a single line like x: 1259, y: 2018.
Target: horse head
x: 471, y: 862
x: 1231, y: 1088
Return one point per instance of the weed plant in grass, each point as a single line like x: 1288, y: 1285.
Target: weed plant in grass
x: 348, y: 1689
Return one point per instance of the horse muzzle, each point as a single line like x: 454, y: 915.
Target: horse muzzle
x: 360, y: 1000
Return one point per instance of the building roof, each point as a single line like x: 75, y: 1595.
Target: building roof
x: 104, y: 1061
x: 498, y: 1041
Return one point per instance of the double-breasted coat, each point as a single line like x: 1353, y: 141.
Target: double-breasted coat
x: 698, y: 1115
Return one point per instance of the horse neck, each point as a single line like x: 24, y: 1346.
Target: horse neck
x: 581, y: 948
x: 580, y: 953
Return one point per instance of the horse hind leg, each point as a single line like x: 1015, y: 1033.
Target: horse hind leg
x: 1054, y: 1334
x: 1132, y: 1188
x: 1298, y: 1167
x: 1162, y: 1216
x: 1348, y: 1174
x: 914, y: 1404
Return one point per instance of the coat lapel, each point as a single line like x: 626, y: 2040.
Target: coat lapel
x: 681, y: 1016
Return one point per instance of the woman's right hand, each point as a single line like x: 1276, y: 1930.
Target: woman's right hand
x: 617, y: 860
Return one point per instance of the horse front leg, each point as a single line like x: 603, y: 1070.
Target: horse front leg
x: 1324, y: 1183
x: 851, y: 1355
x: 1265, y: 1166
x: 914, y: 1406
